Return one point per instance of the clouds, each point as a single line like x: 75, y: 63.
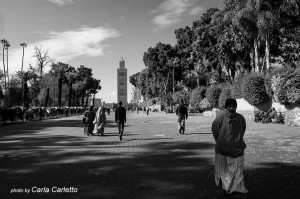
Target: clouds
x: 61, y: 2
x: 170, y: 12
x: 65, y: 46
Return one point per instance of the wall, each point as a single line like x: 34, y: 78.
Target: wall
x: 292, y: 113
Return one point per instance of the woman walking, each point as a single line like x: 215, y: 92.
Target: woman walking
x: 99, y: 122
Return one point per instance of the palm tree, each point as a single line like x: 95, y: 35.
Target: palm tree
x: 59, y: 70
x: 24, y: 45
x: 4, y: 41
x: 26, y: 76
x: 7, y: 45
x: 71, y: 77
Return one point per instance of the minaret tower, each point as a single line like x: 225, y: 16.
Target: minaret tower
x: 122, y: 82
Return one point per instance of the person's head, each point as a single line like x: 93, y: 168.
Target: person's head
x: 230, y: 105
x: 120, y: 103
x: 181, y: 101
x: 91, y: 108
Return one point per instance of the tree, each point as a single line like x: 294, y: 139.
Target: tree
x: 158, y: 59
x: 42, y: 57
x: 59, y: 70
x: 25, y: 77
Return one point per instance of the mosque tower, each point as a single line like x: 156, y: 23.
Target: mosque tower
x: 122, y: 82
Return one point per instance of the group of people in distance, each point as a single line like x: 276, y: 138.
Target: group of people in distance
x: 266, y: 117
x: 228, y: 131
x: 95, y: 120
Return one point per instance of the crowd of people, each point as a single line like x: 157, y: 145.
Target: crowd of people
x: 22, y: 114
x: 269, y: 116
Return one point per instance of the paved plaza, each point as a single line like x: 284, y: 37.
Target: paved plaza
x: 53, y: 159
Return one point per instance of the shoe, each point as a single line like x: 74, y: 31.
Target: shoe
x: 120, y: 137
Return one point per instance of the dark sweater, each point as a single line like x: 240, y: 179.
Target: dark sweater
x: 120, y: 114
x: 228, y: 133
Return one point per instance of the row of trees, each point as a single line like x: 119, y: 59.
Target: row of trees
x: 246, y: 36
x: 62, y: 85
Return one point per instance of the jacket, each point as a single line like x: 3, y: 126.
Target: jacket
x: 229, y: 135
x: 120, y: 114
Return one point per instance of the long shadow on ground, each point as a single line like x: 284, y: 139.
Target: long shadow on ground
x: 137, y: 168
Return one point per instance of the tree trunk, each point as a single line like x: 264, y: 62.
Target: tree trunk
x: 7, y: 66
x: 70, y: 94
x: 4, y: 68
x: 59, y: 91
x: 87, y: 101
x: 267, y: 55
x: 24, y: 96
x: 47, y: 97
x: 94, y: 99
x: 256, y: 62
x: 82, y: 98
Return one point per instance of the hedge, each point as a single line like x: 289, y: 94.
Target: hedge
x: 197, y: 95
x: 213, y: 95
x: 226, y: 93
x: 253, y: 89
x: 288, y: 91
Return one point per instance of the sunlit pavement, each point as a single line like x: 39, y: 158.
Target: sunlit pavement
x: 53, y: 159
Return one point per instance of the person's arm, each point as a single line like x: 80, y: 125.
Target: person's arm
x: 124, y: 115
x: 187, y: 114
x: 215, y: 129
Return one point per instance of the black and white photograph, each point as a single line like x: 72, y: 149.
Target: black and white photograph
x: 149, y: 99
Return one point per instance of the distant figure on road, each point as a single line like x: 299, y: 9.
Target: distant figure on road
x: 120, y: 118
x: 147, y: 110
x: 182, y: 113
x: 89, y: 117
x: 272, y: 114
x: 228, y: 130
x: 99, y: 122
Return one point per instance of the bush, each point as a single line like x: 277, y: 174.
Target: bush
x: 212, y: 95
x: 226, y: 93
x: 289, y: 88
x: 268, y: 86
x: 279, y: 78
x: 181, y: 95
x: 236, y: 91
x: 292, y: 88
x: 197, y: 95
x: 253, y: 89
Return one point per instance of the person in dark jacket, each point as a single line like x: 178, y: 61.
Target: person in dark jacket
x: 89, y: 117
x: 228, y: 130
x: 120, y: 118
x: 182, y: 113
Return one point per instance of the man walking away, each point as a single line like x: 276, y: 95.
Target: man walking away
x: 120, y: 118
x: 181, y: 112
x: 147, y: 110
x: 228, y: 130
x: 88, y: 121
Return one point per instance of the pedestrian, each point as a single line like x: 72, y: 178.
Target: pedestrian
x: 99, y: 122
x: 272, y: 114
x: 147, y: 110
x: 181, y: 112
x: 88, y: 118
x: 228, y: 130
x: 120, y: 118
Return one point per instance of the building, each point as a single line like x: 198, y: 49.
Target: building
x: 122, y: 82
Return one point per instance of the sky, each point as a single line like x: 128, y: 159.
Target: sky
x: 94, y: 33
